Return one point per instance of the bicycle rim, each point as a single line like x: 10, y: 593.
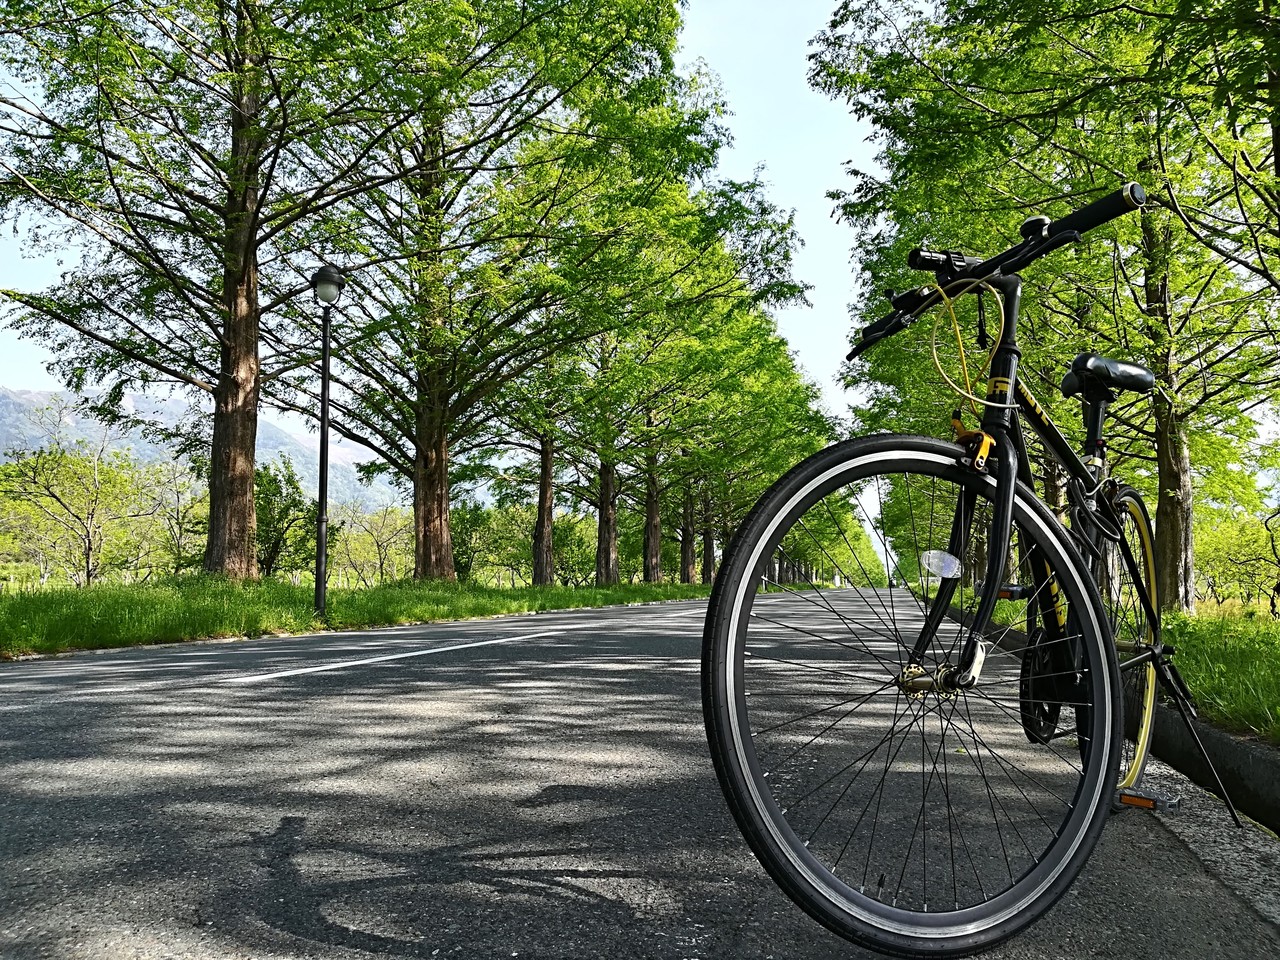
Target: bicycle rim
x: 1133, y: 632
x: 918, y: 825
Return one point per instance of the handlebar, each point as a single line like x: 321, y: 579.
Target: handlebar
x: 1129, y: 197
x: 886, y: 326
x: 952, y: 266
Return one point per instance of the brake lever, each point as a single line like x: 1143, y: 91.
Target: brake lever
x: 875, y: 332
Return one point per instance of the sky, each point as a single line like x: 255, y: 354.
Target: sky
x: 759, y: 49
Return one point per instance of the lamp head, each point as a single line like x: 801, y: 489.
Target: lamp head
x: 327, y: 282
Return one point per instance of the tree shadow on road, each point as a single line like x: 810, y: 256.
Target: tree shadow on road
x: 552, y: 801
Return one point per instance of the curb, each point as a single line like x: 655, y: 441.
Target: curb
x: 1250, y: 769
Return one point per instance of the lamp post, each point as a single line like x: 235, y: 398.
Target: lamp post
x: 327, y: 282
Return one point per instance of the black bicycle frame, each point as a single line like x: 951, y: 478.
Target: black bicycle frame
x: 1007, y: 396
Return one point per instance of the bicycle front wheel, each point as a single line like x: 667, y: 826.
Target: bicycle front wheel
x: 1131, y: 627
x: 908, y: 817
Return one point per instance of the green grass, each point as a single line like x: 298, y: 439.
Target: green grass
x: 52, y: 621
x: 1232, y: 667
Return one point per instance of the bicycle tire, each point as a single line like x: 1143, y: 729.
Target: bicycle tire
x: 1131, y: 630
x: 748, y: 709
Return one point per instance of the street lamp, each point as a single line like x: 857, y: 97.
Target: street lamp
x: 327, y: 282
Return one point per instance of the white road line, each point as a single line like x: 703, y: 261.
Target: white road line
x: 258, y: 678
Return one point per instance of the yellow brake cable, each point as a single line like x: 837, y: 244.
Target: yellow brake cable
x: 967, y: 392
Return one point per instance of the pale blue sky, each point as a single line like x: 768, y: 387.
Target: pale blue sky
x: 759, y: 50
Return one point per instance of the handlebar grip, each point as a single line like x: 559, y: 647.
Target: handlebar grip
x: 882, y: 327
x: 875, y: 332
x: 919, y: 259
x: 1129, y: 197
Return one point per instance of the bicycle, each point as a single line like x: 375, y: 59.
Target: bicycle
x: 926, y: 768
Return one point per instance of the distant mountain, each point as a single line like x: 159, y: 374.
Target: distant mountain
x: 19, y: 430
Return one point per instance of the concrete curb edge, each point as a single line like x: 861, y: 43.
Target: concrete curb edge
x: 1250, y: 769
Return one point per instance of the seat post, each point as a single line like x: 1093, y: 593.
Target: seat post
x: 1095, y: 414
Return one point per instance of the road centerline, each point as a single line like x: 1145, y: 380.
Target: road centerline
x: 342, y: 664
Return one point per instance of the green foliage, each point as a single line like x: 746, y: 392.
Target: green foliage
x: 485, y: 171
x: 79, y: 510
x: 371, y: 547
x: 183, y: 516
x: 499, y: 544
x: 1238, y: 555
x: 574, y: 549
x: 286, y: 539
x: 169, y: 151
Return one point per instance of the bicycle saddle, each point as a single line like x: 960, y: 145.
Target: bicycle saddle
x: 1090, y: 370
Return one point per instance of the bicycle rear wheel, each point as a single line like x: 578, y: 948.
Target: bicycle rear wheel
x: 1131, y: 627
x: 911, y: 820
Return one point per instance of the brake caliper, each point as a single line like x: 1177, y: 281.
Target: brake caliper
x: 977, y: 444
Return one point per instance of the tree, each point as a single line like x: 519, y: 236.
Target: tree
x: 375, y: 546
x: 182, y: 516
x: 79, y: 506
x: 1209, y: 68
x: 499, y: 211
x: 286, y: 533
x: 978, y: 138
x: 601, y: 263
x: 574, y: 554
x: 531, y: 414
x: 174, y: 158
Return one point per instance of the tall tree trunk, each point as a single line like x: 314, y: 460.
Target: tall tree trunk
x: 1055, y: 490
x: 432, y: 540
x: 607, y: 527
x: 543, y: 556
x: 688, y: 539
x: 708, y: 540
x: 1175, y: 554
x: 652, y: 521
x: 230, y: 548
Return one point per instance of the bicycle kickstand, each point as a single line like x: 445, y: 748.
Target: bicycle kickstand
x: 1162, y: 659
x: 1173, y: 682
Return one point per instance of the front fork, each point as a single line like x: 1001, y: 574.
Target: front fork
x: 1001, y: 426
x: 962, y: 674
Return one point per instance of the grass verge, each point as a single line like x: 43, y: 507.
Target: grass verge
x: 1233, y: 669
x: 53, y: 621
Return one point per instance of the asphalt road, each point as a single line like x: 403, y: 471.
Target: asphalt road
x: 530, y: 786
